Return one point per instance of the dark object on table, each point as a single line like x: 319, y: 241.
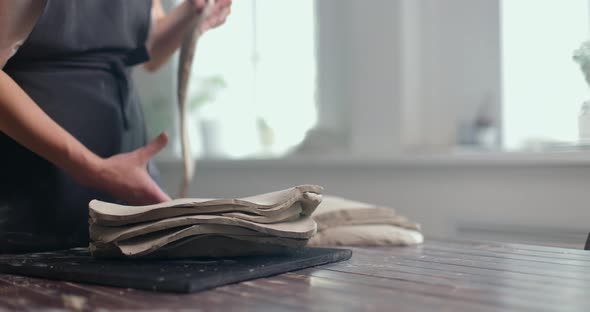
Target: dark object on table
x: 184, y: 276
x: 587, y: 246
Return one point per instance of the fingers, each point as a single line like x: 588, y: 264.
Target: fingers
x: 214, y: 10
x: 198, y: 5
x: 224, y: 14
x: 224, y: 3
x: 155, y: 197
x: 217, y: 17
x: 150, y: 194
x: 153, y: 148
x: 159, y: 196
x: 223, y: 8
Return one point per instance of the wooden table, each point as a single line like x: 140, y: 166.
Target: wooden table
x: 438, y: 276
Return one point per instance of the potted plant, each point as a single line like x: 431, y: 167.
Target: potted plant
x: 582, y: 57
x: 204, y: 133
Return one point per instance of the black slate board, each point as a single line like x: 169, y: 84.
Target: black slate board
x: 182, y: 276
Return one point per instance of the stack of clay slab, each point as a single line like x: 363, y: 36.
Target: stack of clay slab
x: 263, y: 224
x: 343, y: 222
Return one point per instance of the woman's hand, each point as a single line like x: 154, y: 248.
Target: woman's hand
x: 219, y: 13
x: 125, y: 176
x: 168, y: 31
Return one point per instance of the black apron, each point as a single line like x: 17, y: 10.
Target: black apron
x: 76, y: 66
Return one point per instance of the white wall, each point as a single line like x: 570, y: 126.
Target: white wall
x: 457, y: 59
x: 358, y: 57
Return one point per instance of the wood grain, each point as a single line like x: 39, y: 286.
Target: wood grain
x: 437, y: 276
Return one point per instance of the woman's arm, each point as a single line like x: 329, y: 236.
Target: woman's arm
x: 168, y: 31
x: 22, y: 13
x: 123, y: 176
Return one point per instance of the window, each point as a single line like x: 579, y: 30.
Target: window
x: 255, y: 81
x: 407, y: 76
x: 543, y: 88
x: 493, y: 75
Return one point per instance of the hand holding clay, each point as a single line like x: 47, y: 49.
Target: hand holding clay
x: 219, y: 13
x: 125, y: 176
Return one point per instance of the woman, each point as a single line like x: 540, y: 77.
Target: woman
x: 71, y: 126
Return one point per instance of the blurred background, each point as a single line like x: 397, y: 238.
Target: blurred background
x: 468, y: 116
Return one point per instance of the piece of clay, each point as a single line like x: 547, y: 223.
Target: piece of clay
x: 270, y: 204
x: 200, y: 247
x: 143, y: 245
x: 291, y: 214
x: 267, y: 222
x: 366, y: 235
x: 185, y: 62
x: 303, y: 228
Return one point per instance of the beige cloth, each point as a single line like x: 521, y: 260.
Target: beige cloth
x: 266, y: 223
x: 343, y: 222
x: 366, y: 235
x: 304, y: 197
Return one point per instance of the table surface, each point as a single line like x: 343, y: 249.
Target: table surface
x: 437, y: 276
